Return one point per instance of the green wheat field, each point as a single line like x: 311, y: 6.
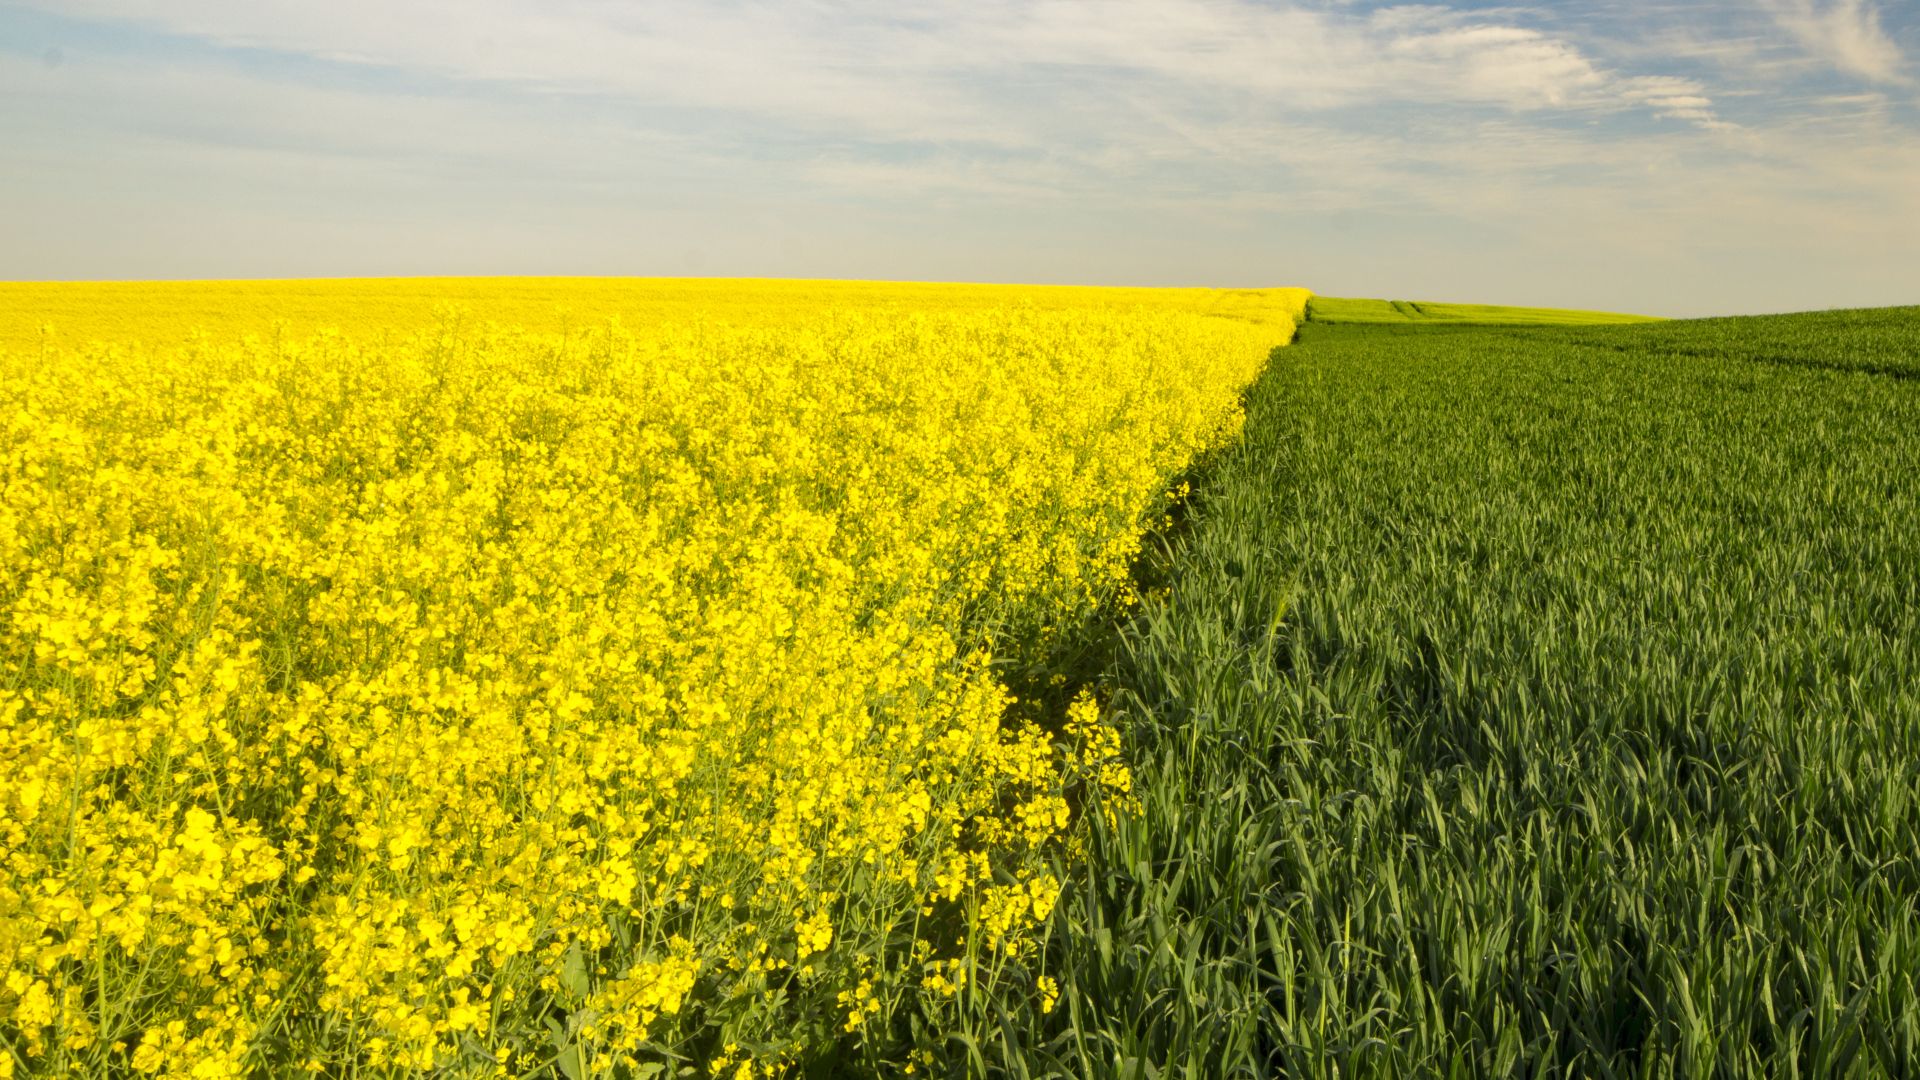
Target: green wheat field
x: 1528, y: 696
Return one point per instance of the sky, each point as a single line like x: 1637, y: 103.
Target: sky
x: 1669, y: 158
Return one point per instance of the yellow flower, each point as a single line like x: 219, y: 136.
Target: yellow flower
x: 382, y: 663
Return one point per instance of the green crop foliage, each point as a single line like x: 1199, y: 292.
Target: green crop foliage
x: 1335, y: 310
x: 1874, y: 340
x: 1523, y: 703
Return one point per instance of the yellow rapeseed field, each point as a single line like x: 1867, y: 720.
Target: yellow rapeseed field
x: 487, y: 676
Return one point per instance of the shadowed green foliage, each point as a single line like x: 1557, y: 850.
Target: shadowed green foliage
x: 1523, y: 703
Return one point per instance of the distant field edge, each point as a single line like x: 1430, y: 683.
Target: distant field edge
x: 1334, y: 310
x: 32, y: 314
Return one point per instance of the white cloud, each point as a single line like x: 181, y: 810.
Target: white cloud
x: 1846, y: 33
x: 877, y: 67
x: 1674, y: 99
x: 993, y: 138
x: 1493, y: 63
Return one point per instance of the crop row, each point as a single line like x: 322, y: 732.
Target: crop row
x: 1525, y: 703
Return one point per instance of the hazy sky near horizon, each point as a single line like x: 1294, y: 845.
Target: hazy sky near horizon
x: 1672, y: 158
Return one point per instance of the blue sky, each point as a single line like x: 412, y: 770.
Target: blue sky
x: 1675, y: 158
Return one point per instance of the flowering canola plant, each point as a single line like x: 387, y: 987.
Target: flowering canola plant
x: 585, y: 675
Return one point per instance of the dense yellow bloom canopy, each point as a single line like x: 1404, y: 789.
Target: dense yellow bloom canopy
x: 464, y: 674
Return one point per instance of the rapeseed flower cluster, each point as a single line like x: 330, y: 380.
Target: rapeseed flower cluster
x: 465, y: 698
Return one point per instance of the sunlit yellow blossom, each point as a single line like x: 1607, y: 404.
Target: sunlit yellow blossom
x: 1049, y: 992
x: 389, y: 669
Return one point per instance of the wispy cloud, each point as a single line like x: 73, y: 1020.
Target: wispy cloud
x: 929, y: 67
x: 991, y: 138
x: 1846, y: 33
